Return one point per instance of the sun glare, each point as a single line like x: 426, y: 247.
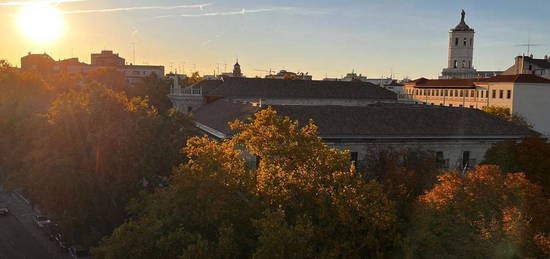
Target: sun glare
x: 41, y: 22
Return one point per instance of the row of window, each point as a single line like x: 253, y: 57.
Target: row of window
x: 461, y: 93
x: 466, y: 161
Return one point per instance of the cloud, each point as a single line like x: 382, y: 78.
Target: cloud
x: 20, y: 3
x: 136, y: 8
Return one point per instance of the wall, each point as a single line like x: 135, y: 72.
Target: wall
x: 452, y: 149
x: 533, y: 102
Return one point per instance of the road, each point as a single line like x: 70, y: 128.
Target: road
x: 17, y: 243
x: 19, y: 237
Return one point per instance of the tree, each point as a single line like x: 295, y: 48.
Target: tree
x: 529, y: 156
x: 156, y: 90
x: 485, y: 214
x: 505, y: 114
x: 193, y: 79
x: 303, y: 200
x: 98, y: 150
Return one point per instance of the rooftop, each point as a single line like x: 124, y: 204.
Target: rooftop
x: 471, y: 82
x: 276, y: 88
x: 373, y: 121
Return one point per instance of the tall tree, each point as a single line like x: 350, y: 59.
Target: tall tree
x: 529, y: 156
x: 303, y: 200
x: 485, y: 214
x: 98, y: 150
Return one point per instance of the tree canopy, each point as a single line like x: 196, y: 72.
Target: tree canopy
x: 303, y: 200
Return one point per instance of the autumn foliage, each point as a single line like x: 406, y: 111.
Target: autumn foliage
x: 304, y: 200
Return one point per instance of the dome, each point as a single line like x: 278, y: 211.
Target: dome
x: 462, y: 26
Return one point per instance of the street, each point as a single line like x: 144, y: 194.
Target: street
x: 16, y: 242
x: 19, y: 237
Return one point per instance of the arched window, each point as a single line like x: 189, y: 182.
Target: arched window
x: 465, y: 40
x: 455, y: 64
x: 456, y: 41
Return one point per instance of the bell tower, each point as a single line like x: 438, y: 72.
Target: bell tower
x: 237, y: 69
x: 461, y: 51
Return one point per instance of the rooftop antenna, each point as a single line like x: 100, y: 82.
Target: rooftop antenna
x: 529, y: 44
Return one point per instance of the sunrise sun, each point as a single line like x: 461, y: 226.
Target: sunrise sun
x: 41, y: 22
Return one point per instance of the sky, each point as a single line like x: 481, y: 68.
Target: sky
x: 322, y: 37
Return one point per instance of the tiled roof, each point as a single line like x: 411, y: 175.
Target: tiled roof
x: 278, y: 88
x: 471, y: 82
x: 374, y: 121
x: 207, y: 85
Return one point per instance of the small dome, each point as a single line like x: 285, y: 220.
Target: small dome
x: 462, y: 26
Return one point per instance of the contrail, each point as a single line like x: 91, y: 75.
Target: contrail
x: 241, y: 12
x: 21, y: 3
x: 136, y: 8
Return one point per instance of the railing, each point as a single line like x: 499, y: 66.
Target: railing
x: 186, y: 92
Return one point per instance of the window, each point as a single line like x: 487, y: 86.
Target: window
x: 456, y: 41
x: 451, y: 93
x: 465, y: 158
x: 353, y: 157
x: 432, y: 104
x: 466, y: 93
x: 501, y: 94
x: 460, y: 105
x: 463, y: 63
x: 465, y: 40
x: 440, y: 159
x: 471, y: 106
x: 469, y: 64
x: 446, y: 93
x: 450, y: 105
x: 456, y: 93
x: 461, y: 93
x: 189, y: 108
x: 471, y: 42
x: 455, y: 64
x: 530, y: 67
x: 509, y: 94
x: 441, y: 104
x: 494, y: 94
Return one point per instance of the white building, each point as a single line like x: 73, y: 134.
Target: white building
x: 530, y: 65
x: 525, y: 94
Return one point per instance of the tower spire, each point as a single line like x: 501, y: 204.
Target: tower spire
x: 463, y: 16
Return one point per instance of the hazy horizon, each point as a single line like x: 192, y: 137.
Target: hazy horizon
x: 324, y: 38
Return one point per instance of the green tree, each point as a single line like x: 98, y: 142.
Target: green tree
x: 304, y: 200
x: 98, y: 150
x: 504, y: 113
x: 156, y: 90
x: 485, y: 214
x: 529, y: 156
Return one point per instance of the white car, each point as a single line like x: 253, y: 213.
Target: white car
x: 4, y: 211
x: 41, y: 221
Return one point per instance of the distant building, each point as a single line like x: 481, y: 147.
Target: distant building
x: 458, y: 138
x: 460, y: 61
x: 280, y: 92
x: 524, y: 94
x: 529, y: 65
x: 107, y: 59
x: 46, y: 66
x: 41, y: 63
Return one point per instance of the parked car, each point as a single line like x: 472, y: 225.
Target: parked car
x: 62, y: 243
x: 52, y: 230
x: 79, y: 252
x: 41, y: 221
x: 4, y: 211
